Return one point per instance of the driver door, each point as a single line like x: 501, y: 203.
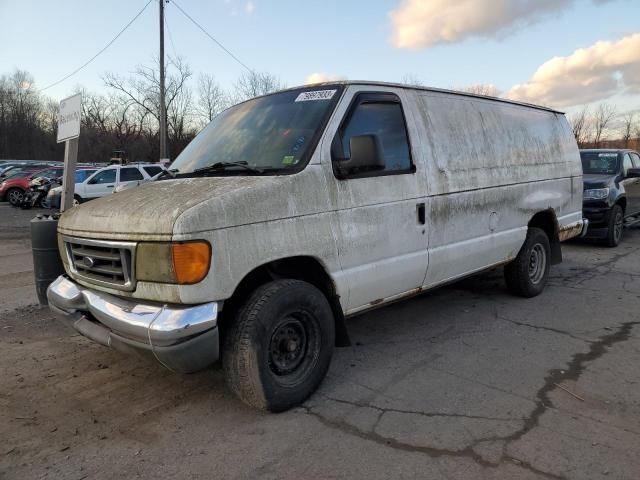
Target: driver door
x: 632, y: 187
x: 102, y: 183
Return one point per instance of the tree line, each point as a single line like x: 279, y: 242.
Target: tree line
x: 605, y: 127
x: 124, y: 117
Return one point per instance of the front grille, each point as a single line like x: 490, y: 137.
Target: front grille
x: 102, y: 262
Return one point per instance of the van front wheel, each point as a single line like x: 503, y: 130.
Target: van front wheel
x: 279, y: 347
x: 527, y: 274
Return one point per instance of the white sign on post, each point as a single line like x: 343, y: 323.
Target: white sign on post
x: 69, y: 118
x: 68, y: 132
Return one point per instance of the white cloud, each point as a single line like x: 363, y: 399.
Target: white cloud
x: 318, y: 77
x: 249, y: 7
x: 587, y: 75
x: 425, y: 23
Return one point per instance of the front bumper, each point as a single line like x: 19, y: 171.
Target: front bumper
x: 182, y: 338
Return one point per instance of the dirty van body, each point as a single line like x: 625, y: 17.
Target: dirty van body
x: 292, y: 211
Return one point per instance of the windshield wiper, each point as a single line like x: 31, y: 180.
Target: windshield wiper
x: 167, y: 173
x: 225, y: 165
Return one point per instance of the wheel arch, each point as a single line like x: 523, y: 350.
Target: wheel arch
x: 622, y: 201
x: 548, y: 221
x: 305, y: 268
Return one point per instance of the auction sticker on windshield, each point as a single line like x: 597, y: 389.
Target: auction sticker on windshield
x: 315, y: 95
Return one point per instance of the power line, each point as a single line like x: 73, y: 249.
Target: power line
x: 166, y: 24
x: 97, y: 54
x: 211, y: 37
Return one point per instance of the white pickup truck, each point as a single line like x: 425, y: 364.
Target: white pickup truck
x: 292, y: 211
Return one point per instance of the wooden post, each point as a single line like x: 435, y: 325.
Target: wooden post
x: 68, y: 181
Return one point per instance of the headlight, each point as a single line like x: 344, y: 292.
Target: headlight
x: 596, y: 194
x: 183, y: 263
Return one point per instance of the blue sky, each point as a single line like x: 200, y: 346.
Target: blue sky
x: 293, y: 39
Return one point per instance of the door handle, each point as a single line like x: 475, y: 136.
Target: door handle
x: 109, y: 186
x: 420, y: 210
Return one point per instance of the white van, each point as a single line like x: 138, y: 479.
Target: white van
x: 292, y: 211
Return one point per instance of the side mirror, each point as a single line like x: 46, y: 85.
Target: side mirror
x: 366, y: 154
x: 633, y: 173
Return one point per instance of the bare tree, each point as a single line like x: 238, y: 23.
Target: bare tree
x: 254, y: 84
x: 628, y: 124
x: 411, y: 79
x: 601, y: 120
x: 487, y: 90
x: 212, y: 99
x: 580, y: 125
x: 142, y: 89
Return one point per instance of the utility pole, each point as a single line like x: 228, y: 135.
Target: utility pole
x: 163, y: 110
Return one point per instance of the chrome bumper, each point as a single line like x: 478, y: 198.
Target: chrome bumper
x: 182, y: 338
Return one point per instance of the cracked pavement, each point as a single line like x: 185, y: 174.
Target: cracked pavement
x: 464, y: 382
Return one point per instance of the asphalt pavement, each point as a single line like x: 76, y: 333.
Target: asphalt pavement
x: 464, y: 382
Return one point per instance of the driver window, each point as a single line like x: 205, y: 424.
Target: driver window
x: 626, y: 163
x: 106, y: 176
x: 384, y: 119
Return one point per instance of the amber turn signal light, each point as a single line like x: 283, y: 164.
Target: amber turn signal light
x: 191, y: 261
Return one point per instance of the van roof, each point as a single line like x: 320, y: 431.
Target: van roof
x: 617, y: 150
x: 426, y: 89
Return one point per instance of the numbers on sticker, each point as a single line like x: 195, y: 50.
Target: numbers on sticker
x: 315, y: 95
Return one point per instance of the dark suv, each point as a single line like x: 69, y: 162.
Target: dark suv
x: 611, y: 192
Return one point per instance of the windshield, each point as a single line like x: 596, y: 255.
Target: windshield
x: 271, y: 134
x: 81, y: 175
x: 599, y: 162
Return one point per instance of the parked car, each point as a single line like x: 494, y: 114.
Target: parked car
x: 21, y: 170
x: 611, y: 192
x: 292, y: 211
x: 13, y: 188
x: 104, y: 181
x: 54, y: 195
x: 5, y: 164
x: 154, y: 170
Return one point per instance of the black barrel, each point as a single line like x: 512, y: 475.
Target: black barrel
x: 47, y: 264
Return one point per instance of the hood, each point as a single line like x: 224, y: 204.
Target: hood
x: 16, y: 181
x: 592, y: 180
x: 168, y: 209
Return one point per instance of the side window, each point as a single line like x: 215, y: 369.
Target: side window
x: 152, y: 171
x: 106, y: 176
x: 380, y: 115
x: 626, y: 163
x: 636, y: 160
x: 130, y: 174
x: 45, y: 173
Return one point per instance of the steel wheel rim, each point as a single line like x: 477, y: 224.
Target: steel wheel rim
x: 618, y: 226
x: 294, y: 348
x: 75, y: 202
x: 537, y: 263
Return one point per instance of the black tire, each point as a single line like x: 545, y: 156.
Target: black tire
x: 14, y: 196
x: 527, y: 274
x: 278, y: 349
x: 615, y: 227
x: 77, y: 200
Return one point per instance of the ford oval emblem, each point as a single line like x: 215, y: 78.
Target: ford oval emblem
x: 88, y: 262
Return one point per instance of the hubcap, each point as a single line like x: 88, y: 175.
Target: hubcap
x: 15, y: 197
x: 537, y: 263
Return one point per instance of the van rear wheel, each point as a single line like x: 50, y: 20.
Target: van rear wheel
x: 527, y: 274
x: 278, y: 349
